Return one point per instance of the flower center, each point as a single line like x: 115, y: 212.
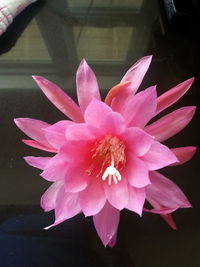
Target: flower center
x: 109, y: 154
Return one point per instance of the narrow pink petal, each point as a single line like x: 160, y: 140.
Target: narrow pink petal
x: 55, y: 134
x: 76, y: 178
x: 140, y: 108
x: 48, y: 199
x: 159, y: 210
x: 136, y: 171
x: 136, y: 199
x: 55, y: 169
x: 169, y: 220
x: 37, y: 145
x: 165, y: 193
x: 106, y: 223
x: 117, y: 96
x: 92, y: 199
x: 173, y: 95
x: 136, y: 73
x: 101, y: 116
x: 59, y: 98
x: 171, y: 124
x: 86, y: 84
x: 117, y: 194
x: 183, y: 154
x: 159, y: 156
x: 37, y: 162
x: 34, y: 129
x: 137, y: 141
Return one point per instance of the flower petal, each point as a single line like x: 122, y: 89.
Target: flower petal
x: 171, y: 124
x: 86, y: 84
x: 55, y: 134
x: 48, y: 199
x: 37, y: 162
x: 81, y: 131
x: 59, y: 98
x: 183, y: 154
x: 117, y: 194
x: 37, y: 145
x: 34, y: 129
x: 174, y: 94
x: 166, y: 193
x: 136, y: 73
x: 136, y: 171
x: 92, y: 199
x: 159, y: 156
x: 67, y: 206
x: 106, y: 224
x: 137, y: 141
x: 136, y: 199
x: 140, y: 108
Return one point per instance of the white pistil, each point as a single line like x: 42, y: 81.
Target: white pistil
x: 112, y: 172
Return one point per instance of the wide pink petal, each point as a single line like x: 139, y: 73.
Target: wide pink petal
x: 102, y: 117
x: 136, y: 199
x: 136, y: 73
x: 76, y: 178
x: 48, y: 199
x: 140, y: 108
x: 183, y: 154
x: 166, y: 193
x: 137, y: 141
x: 117, y: 194
x: 171, y: 124
x: 37, y: 162
x: 82, y: 131
x: 67, y: 206
x: 59, y: 98
x: 56, y: 168
x: 86, y: 84
x: 37, y: 145
x: 159, y: 156
x: 92, y: 199
x: 106, y: 223
x: 55, y: 134
x: 34, y: 129
x: 173, y: 95
x: 136, y: 171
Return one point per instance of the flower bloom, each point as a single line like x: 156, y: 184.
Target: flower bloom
x: 106, y: 157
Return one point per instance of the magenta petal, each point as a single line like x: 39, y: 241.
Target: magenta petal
x: 137, y: 141
x: 76, y: 179
x: 34, y: 129
x: 81, y: 131
x: 48, y: 199
x: 92, y: 199
x: 166, y: 193
x: 59, y: 98
x: 55, y: 169
x: 102, y: 117
x: 136, y: 199
x: 169, y: 220
x: 86, y: 84
x: 117, y: 194
x: 55, y: 134
x: 171, y: 124
x: 106, y: 223
x: 183, y: 154
x: 136, y: 73
x: 37, y: 162
x: 173, y: 95
x: 137, y: 171
x: 140, y: 108
x: 37, y: 145
x: 159, y: 156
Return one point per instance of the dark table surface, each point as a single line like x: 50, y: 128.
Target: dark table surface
x: 50, y: 38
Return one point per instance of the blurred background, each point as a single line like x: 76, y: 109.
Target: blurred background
x: 50, y: 38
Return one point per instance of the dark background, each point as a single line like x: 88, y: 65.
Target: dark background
x: 127, y: 31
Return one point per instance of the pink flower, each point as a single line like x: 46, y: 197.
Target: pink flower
x: 106, y: 158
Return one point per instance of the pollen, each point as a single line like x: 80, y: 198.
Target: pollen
x: 109, y: 154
